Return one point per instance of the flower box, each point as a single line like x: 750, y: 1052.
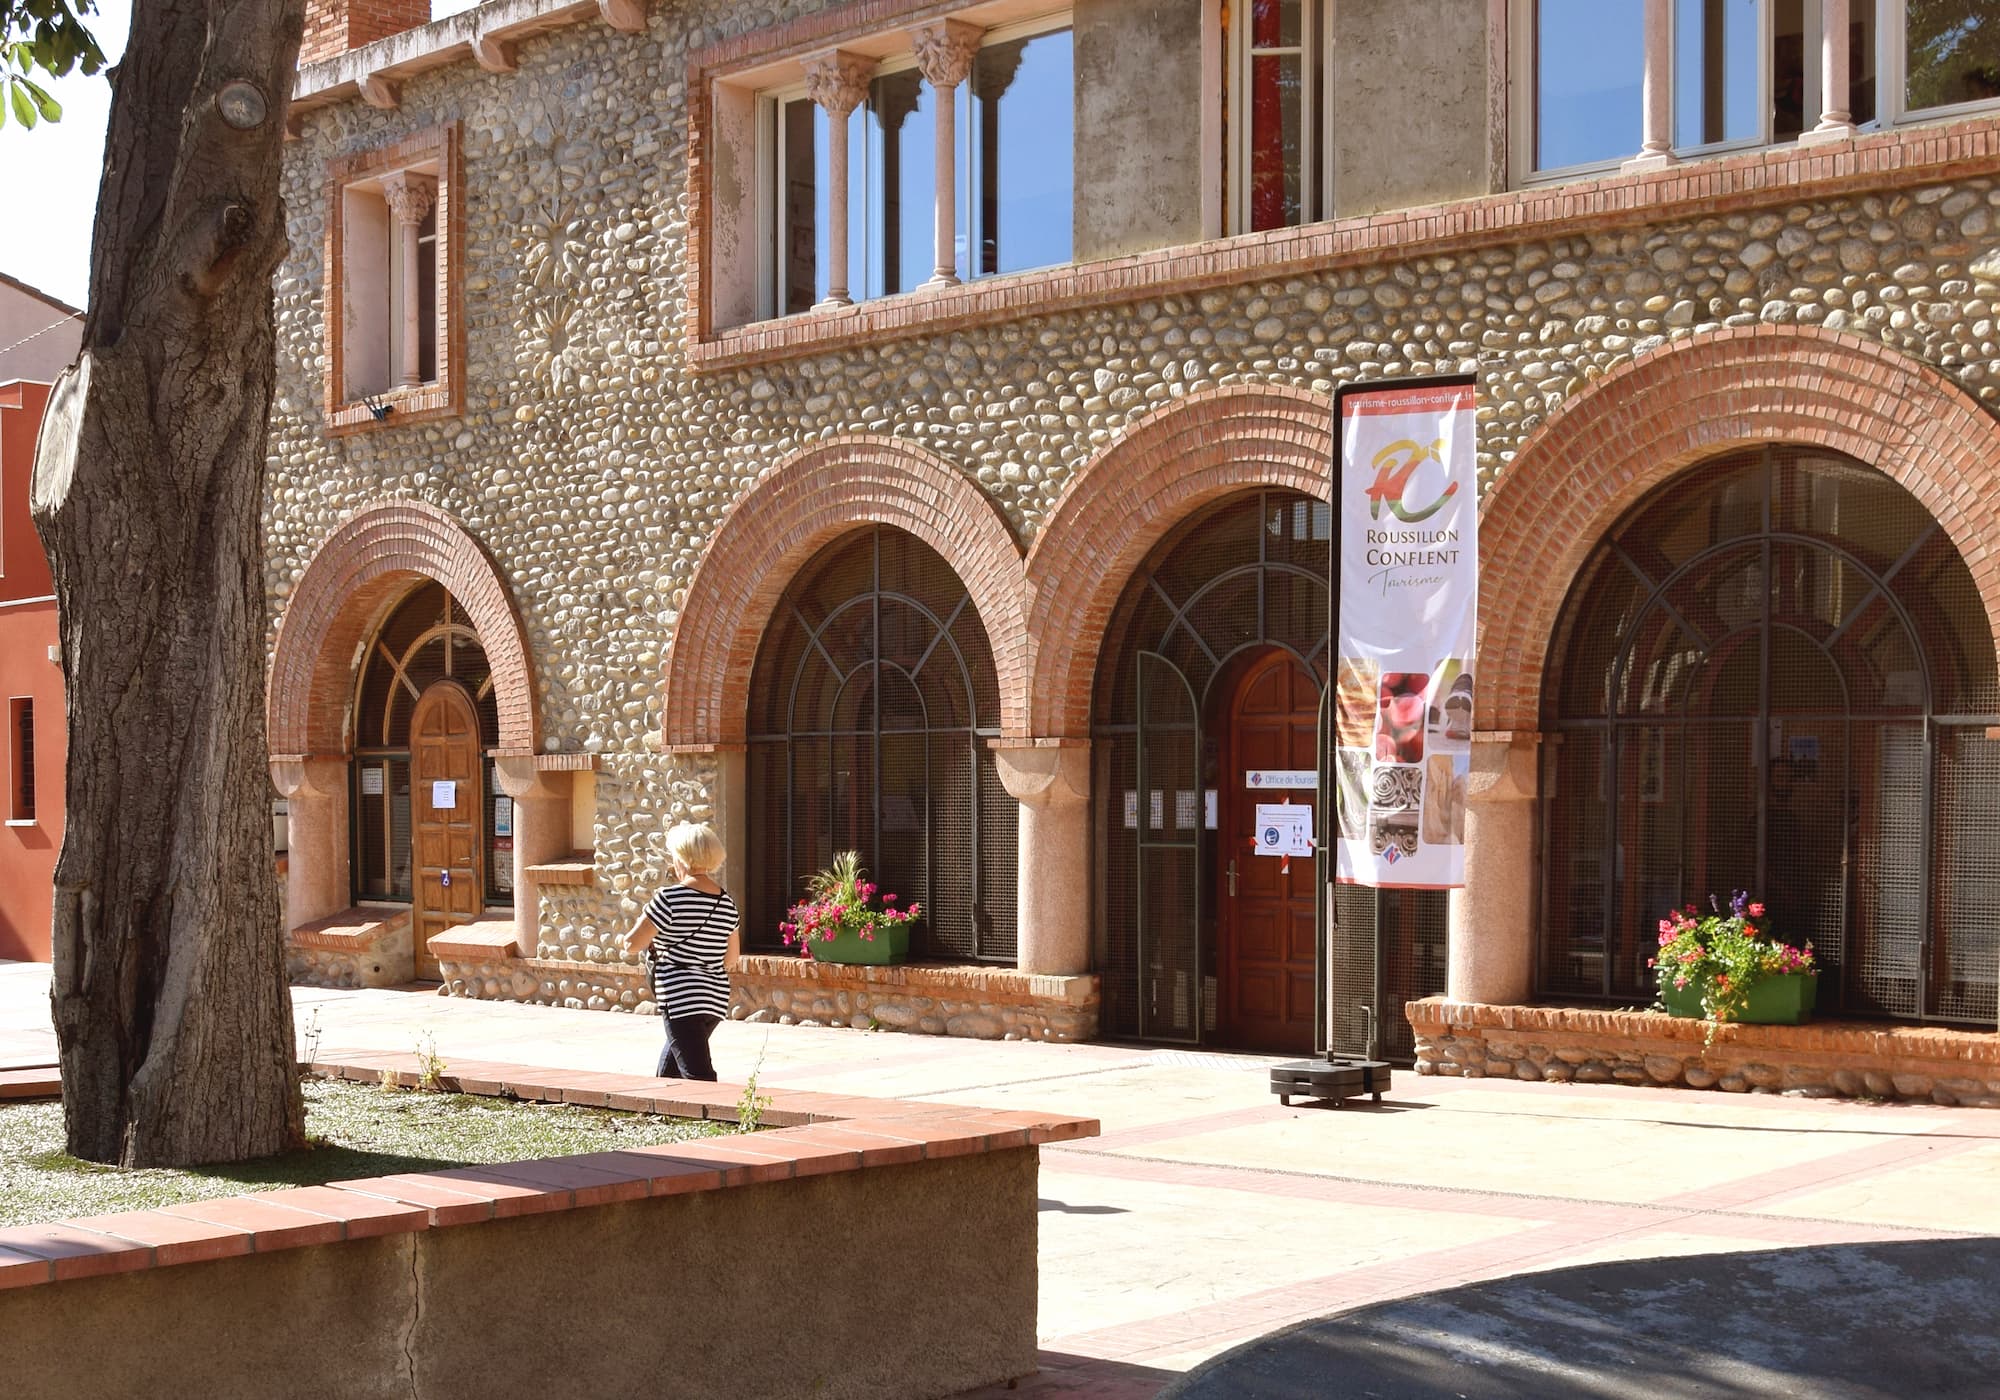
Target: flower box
x: 889, y: 945
x: 1776, y: 999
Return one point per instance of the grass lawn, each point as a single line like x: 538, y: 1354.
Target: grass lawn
x: 355, y: 1130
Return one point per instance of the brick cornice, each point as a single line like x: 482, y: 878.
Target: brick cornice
x: 1905, y: 157
x: 1602, y: 452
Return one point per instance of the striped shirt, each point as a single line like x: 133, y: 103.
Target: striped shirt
x: 690, y: 941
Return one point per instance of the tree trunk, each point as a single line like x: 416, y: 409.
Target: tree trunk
x: 171, y: 1005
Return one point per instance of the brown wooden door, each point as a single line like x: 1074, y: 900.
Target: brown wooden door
x: 447, y: 842
x: 1266, y: 926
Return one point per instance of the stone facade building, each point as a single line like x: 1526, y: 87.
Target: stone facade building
x: 905, y: 425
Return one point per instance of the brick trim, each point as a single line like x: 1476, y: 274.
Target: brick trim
x: 804, y: 503
x: 1685, y: 191
x: 445, y: 396
x: 354, y: 580
x: 1599, y: 454
x: 1126, y: 499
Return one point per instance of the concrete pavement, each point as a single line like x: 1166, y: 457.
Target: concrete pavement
x: 1207, y: 1215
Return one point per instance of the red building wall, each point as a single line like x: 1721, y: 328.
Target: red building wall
x: 28, y: 844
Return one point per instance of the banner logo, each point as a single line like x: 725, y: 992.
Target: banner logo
x: 1394, y: 466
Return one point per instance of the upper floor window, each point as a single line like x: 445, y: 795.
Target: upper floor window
x: 391, y: 283
x: 1007, y: 124
x: 1281, y: 153
x: 1739, y: 73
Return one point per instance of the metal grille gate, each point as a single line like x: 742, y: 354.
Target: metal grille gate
x: 1776, y: 675
x: 871, y: 704
x: 1247, y: 575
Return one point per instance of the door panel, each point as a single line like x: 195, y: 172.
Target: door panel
x: 449, y: 881
x: 1266, y: 928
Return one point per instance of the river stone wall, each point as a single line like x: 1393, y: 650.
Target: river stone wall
x: 594, y: 465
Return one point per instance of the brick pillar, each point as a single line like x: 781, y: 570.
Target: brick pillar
x: 541, y: 835
x: 1053, y: 787
x: 1491, y: 939
x: 335, y: 26
x: 317, y: 885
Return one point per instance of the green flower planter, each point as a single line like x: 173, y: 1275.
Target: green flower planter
x: 889, y: 945
x: 1782, y: 999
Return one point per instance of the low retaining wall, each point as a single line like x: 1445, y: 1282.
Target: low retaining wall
x: 1827, y: 1059
x: 723, y: 1267
x: 987, y: 1003
x: 359, y: 947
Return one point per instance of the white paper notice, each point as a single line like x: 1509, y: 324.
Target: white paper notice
x: 1284, y: 829
x: 503, y: 816
x: 371, y: 781
x: 444, y: 795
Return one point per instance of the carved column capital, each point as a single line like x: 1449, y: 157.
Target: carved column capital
x: 838, y: 80
x: 409, y: 196
x: 944, y: 50
x: 1045, y: 775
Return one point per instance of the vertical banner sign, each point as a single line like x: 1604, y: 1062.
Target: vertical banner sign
x: 1406, y: 508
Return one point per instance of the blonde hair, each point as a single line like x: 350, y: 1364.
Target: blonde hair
x: 695, y: 848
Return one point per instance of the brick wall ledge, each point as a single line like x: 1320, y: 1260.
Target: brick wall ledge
x: 354, y: 930
x: 986, y: 1003
x: 1692, y: 189
x: 832, y: 1133
x: 481, y: 939
x: 1829, y: 1059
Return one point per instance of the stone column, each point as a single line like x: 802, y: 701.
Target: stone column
x: 317, y: 885
x: 410, y: 198
x: 1657, y: 90
x: 838, y: 83
x: 1491, y: 941
x: 541, y: 835
x: 944, y: 50
x: 1836, y: 115
x: 1052, y: 784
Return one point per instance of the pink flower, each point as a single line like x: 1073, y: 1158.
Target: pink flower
x: 1756, y: 911
x: 888, y: 899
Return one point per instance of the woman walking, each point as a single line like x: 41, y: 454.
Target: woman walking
x: 688, y: 926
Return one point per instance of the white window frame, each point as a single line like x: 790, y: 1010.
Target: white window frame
x: 770, y: 161
x: 1315, y: 114
x: 1891, y: 87
x: 1892, y: 74
x: 1767, y: 46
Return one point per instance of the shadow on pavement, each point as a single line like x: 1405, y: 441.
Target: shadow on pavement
x: 1913, y: 1318
x: 1080, y: 1376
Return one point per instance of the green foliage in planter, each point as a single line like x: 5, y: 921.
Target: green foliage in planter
x: 1723, y: 955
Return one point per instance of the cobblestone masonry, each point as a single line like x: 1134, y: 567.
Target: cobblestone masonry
x: 595, y: 465
x: 1833, y: 1060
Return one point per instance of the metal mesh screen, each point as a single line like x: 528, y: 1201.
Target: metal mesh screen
x: 871, y: 703
x: 1776, y: 674
x: 1240, y: 579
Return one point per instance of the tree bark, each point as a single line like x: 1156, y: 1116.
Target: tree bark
x: 171, y: 1004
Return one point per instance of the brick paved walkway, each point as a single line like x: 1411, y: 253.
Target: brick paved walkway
x: 1207, y: 1214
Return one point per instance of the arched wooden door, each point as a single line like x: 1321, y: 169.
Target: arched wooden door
x: 446, y: 838
x: 1266, y: 910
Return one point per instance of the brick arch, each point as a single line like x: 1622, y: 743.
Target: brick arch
x: 808, y: 500
x: 1129, y: 496
x: 362, y: 570
x: 1601, y: 453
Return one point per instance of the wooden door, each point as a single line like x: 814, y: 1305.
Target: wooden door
x: 1265, y: 912
x: 447, y: 841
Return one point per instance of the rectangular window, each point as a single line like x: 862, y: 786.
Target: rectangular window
x: 1589, y: 67
x: 1718, y: 72
x: 1022, y: 172
x: 21, y: 768
x: 1951, y: 53
x: 1279, y: 115
x: 1013, y: 158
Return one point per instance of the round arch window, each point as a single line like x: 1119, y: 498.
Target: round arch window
x: 872, y: 706
x: 425, y: 639
x: 1776, y: 674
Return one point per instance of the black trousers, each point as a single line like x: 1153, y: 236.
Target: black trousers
x: 685, y: 1055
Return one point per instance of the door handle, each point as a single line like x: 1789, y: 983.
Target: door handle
x: 1232, y: 877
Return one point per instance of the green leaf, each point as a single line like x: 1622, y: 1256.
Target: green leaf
x: 24, y: 108
x: 44, y: 101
